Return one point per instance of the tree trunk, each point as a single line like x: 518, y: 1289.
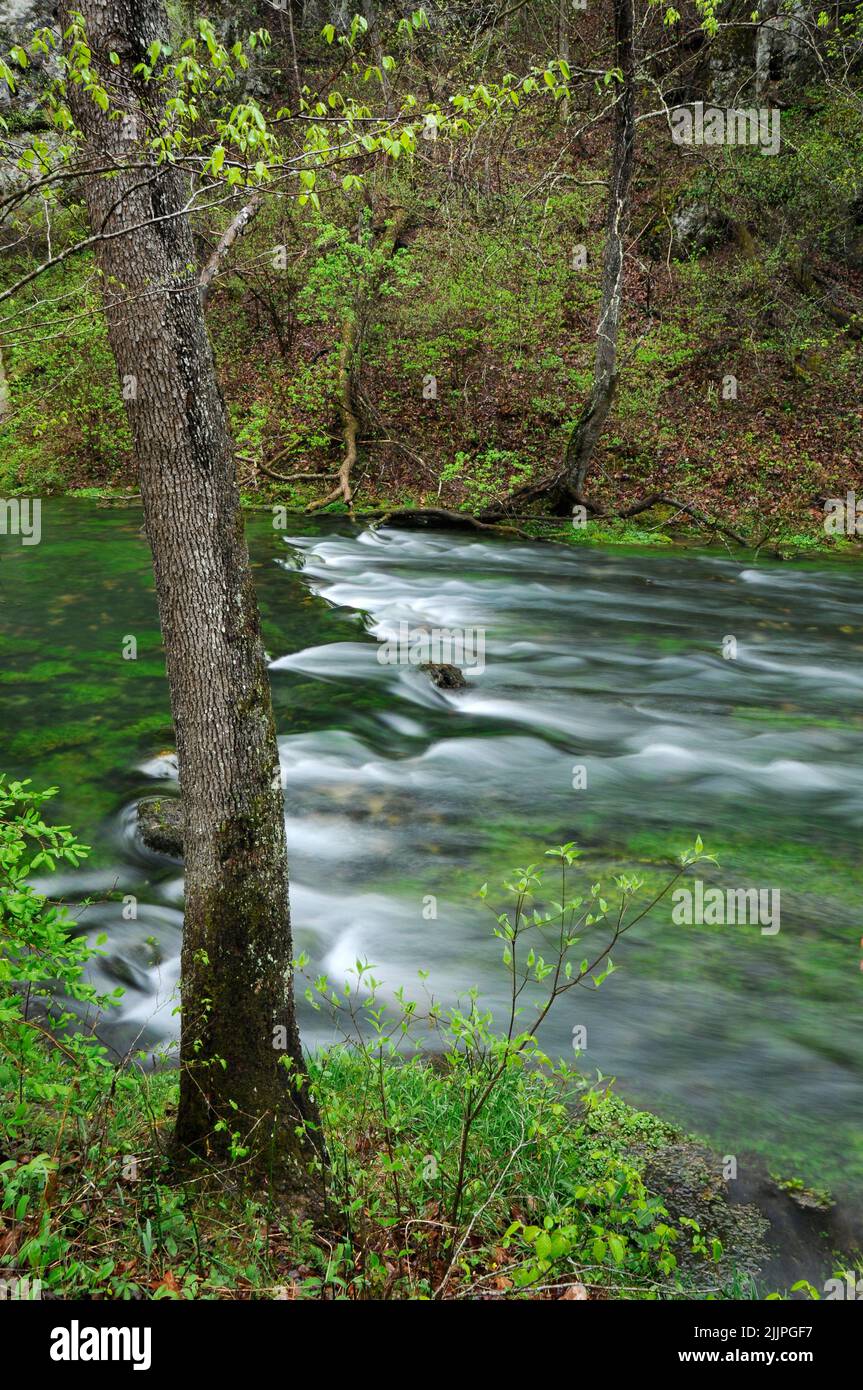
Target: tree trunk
x: 585, y: 434
x: 238, y: 1022
x: 236, y: 228
x: 563, y: 47
x: 353, y: 332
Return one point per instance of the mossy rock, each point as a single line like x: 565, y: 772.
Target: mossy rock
x: 160, y: 823
x: 688, y: 1177
x: 444, y: 676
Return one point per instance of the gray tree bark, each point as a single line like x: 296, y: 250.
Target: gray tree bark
x: 586, y: 433
x: 238, y: 1022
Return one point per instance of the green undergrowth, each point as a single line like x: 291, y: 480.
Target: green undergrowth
x: 476, y: 1169
x: 93, y: 1208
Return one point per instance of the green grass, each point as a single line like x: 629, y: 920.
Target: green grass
x: 109, y: 1217
x: 482, y: 1170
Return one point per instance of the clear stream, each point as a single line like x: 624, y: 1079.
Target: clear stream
x: 607, y: 658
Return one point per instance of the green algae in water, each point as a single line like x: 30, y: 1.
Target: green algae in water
x: 612, y: 663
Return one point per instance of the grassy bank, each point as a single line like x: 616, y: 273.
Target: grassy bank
x: 556, y: 1201
x: 95, y: 1209
x: 539, y: 1191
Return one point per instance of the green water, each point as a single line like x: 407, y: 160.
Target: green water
x: 606, y: 659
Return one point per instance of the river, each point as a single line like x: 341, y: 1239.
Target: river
x: 611, y: 709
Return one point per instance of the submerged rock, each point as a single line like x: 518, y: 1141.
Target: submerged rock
x: 689, y: 1177
x: 160, y: 822
x: 445, y: 677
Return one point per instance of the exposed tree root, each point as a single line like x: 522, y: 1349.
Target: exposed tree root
x: 562, y: 501
x: 440, y: 516
x: 553, y: 492
x: 352, y: 334
x: 270, y: 472
x: 658, y: 499
x: 350, y: 423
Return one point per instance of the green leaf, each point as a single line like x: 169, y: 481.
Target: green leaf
x: 617, y: 1248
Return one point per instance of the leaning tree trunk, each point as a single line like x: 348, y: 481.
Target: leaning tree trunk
x: 353, y: 329
x: 238, y: 1023
x: 586, y: 432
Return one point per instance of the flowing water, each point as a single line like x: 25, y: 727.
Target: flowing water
x: 615, y: 662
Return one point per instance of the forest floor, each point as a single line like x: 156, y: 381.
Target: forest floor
x: 739, y: 376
